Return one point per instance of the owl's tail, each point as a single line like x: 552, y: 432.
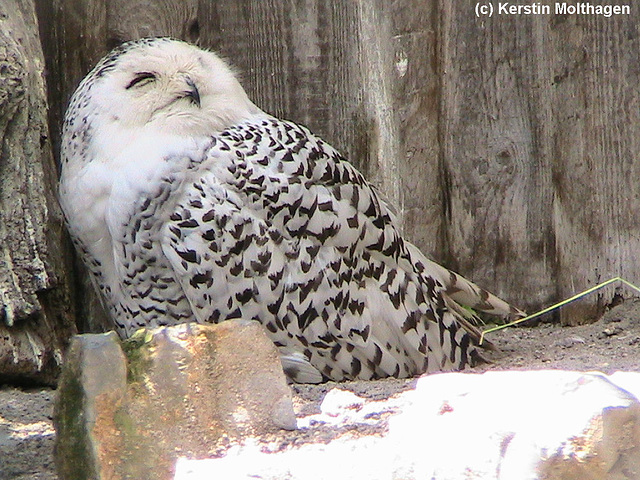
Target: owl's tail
x: 464, y: 297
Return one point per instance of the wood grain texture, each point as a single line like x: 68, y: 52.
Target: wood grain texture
x: 508, y: 144
x: 596, y: 141
x: 495, y: 108
x: 308, y: 65
x: 415, y: 77
x: 35, y: 321
x: 129, y: 19
x: 74, y: 37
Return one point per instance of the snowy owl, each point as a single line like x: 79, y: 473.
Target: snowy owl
x: 189, y: 203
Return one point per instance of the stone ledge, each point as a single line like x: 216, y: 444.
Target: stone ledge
x: 176, y: 392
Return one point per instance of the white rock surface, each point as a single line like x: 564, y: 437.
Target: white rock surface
x: 497, y: 425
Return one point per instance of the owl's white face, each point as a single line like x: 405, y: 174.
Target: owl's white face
x: 145, y: 101
x: 156, y: 86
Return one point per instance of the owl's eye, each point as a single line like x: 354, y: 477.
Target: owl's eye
x: 141, y: 78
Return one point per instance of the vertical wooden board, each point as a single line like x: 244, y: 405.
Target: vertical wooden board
x: 255, y: 36
x: 496, y: 153
x: 376, y: 77
x: 305, y: 61
x: 416, y: 102
x: 131, y: 19
x: 73, y: 35
x: 596, y: 111
x: 294, y: 59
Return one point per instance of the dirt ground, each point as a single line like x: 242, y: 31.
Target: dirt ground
x: 612, y: 343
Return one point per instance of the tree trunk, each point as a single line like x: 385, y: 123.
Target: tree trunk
x: 36, y: 317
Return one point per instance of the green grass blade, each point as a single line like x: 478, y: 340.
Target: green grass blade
x: 561, y: 304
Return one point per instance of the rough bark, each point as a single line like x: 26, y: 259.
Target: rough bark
x: 35, y: 317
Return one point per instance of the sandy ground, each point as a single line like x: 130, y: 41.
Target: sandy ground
x: 612, y: 343
x: 26, y: 434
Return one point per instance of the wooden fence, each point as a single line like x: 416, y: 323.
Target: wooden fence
x: 509, y: 142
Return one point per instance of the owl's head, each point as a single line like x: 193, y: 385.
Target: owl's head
x: 160, y: 85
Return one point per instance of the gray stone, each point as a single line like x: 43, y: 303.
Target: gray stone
x: 91, y: 390
x: 180, y: 390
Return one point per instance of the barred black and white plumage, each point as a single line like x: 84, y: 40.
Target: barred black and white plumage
x: 189, y: 203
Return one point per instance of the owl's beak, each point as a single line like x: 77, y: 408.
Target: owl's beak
x: 192, y: 93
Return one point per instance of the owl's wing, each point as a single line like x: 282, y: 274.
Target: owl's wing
x: 277, y: 227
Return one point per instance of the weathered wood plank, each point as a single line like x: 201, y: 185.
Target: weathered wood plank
x: 129, y: 19
x: 416, y: 103
x: 496, y: 147
x: 74, y: 36
x: 596, y: 141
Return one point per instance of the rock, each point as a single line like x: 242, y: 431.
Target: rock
x: 516, y: 425
x: 92, y: 388
x: 341, y: 408
x: 629, y: 381
x: 178, y: 392
x: 498, y: 425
